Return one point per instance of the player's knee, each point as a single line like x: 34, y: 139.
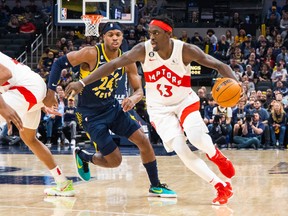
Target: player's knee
x: 115, y: 162
x: 196, y: 134
x: 113, y: 158
x: 177, y: 144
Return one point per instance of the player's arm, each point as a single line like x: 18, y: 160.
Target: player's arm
x: 194, y: 53
x: 85, y: 55
x: 135, y: 82
x: 137, y: 53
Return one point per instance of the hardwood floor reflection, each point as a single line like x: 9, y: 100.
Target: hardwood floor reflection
x: 260, y: 187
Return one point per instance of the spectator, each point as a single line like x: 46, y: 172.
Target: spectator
x: 140, y: 31
x: 13, y: 25
x: 48, y: 61
x: 184, y: 37
x: 264, y: 115
x: 277, y: 123
x: 222, y: 48
x: 5, y: 8
x: 203, y: 100
x: 233, y: 63
x: 238, y: 117
x: 218, y: 131
x: 264, y: 73
x: 279, y: 74
x: 241, y: 37
x: 236, y: 21
x: 226, y: 112
x: 251, y: 75
x: 70, y: 120
x: 273, y: 10
x: 49, y: 120
x: 195, y: 17
x: 131, y: 39
x: 27, y: 27
x: 18, y: 9
x: 197, y: 40
x: 280, y: 87
x: 212, y: 37
x: 208, y: 111
x: 229, y: 37
x: 283, y: 55
x: 252, y: 129
x: 32, y: 7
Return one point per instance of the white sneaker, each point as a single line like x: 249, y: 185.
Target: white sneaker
x: 61, y: 189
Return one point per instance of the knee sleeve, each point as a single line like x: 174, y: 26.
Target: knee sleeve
x: 191, y: 160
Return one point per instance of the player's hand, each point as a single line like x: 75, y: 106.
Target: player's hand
x: 51, y: 110
x: 127, y: 104
x: 10, y: 115
x: 50, y: 98
x: 73, y: 89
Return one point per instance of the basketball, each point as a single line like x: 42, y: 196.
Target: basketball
x: 226, y: 92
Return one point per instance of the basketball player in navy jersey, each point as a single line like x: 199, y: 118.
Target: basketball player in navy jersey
x: 99, y: 111
x: 172, y: 105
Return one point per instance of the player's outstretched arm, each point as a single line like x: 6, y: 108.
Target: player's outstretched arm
x: 85, y: 55
x: 137, y: 53
x: 194, y: 53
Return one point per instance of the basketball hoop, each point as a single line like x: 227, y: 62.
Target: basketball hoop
x: 92, y: 24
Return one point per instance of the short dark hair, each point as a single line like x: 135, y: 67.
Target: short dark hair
x: 165, y: 19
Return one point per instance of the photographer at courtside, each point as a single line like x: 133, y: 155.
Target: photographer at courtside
x: 219, y: 131
x: 252, y: 130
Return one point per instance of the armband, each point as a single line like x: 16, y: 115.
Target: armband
x: 83, y: 84
x: 55, y: 72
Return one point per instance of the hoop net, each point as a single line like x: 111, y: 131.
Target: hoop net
x: 92, y: 24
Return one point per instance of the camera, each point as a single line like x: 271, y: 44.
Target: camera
x: 216, y: 120
x: 248, y: 118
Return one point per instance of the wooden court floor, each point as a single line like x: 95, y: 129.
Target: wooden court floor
x: 260, y: 187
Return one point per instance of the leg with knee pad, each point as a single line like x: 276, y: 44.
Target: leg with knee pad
x: 191, y: 160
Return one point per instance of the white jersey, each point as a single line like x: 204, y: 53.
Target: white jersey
x: 24, y: 91
x: 21, y: 74
x: 168, y: 82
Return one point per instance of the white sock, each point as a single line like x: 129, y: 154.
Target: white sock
x: 193, y: 162
x: 58, y: 174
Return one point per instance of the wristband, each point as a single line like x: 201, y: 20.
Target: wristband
x: 83, y: 84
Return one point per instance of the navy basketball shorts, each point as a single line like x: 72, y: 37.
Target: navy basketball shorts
x: 98, y: 127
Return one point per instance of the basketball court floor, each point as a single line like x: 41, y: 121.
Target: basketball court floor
x: 260, y: 186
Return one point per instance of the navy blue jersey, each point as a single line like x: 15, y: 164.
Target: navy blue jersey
x: 100, y: 94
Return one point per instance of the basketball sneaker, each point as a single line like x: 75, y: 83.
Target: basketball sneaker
x: 223, y: 163
x: 161, y: 190
x: 82, y: 166
x: 223, y: 193
x: 61, y: 189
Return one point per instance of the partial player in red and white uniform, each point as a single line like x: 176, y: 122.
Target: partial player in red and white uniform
x: 23, y: 91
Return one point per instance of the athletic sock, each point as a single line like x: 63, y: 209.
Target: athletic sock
x: 58, y: 174
x: 152, y: 172
x: 86, y: 156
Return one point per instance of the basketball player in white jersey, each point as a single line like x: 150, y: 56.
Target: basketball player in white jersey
x: 23, y: 90
x: 172, y: 105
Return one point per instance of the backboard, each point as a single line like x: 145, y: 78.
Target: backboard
x: 69, y: 12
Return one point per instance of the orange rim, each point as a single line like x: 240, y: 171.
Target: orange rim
x: 94, y: 18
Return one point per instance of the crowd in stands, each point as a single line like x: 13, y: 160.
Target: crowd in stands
x: 258, y: 121
x: 20, y: 24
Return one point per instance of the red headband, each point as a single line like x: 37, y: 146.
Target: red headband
x: 162, y: 25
